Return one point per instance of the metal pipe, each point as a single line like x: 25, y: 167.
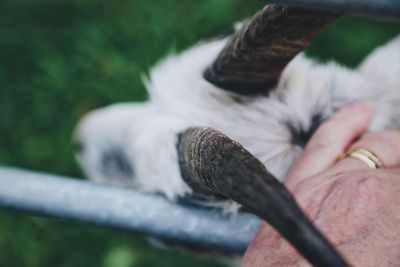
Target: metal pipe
x: 387, y: 9
x: 125, y: 209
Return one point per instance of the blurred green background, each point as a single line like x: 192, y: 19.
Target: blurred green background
x: 60, y: 59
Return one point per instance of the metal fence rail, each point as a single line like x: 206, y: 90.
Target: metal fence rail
x: 124, y: 209
x: 387, y: 9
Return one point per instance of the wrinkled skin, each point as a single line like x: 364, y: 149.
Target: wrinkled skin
x: 357, y: 208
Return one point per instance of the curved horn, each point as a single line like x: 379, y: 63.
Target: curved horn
x: 211, y: 161
x: 253, y: 59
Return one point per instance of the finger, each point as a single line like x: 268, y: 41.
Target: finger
x: 331, y: 140
x: 385, y: 145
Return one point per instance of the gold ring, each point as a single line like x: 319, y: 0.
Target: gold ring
x: 365, y: 156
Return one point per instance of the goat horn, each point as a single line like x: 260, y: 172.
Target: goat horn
x: 211, y: 161
x: 255, y: 56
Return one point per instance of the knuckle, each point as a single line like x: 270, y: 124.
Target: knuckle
x: 369, y: 188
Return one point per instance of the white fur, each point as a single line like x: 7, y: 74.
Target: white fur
x: 180, y: 98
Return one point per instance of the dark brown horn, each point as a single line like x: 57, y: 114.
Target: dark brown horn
x: 254, y: 58
x: 211, y: 161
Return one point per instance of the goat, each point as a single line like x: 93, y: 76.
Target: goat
x: 258, y: 91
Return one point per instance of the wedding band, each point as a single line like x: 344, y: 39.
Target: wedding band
x: 365, y: 156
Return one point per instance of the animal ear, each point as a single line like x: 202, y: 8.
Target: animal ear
x: 210, y: 161
x: 254, y: 58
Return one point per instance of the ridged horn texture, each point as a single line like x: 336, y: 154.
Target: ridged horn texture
x: 211, y: 161
x: 254, y: 58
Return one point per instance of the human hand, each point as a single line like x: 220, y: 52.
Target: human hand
x: 356, y: 207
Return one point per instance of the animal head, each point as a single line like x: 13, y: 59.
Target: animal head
x: 253, y: 86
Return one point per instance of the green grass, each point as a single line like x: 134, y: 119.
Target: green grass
x: 60, y: 59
